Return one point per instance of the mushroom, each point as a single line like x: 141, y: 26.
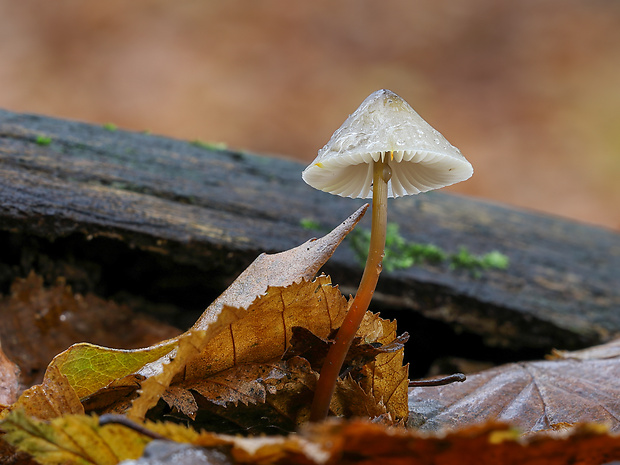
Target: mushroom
x: 384, y: 149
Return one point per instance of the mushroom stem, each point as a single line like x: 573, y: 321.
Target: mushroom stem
x: 338, y: 351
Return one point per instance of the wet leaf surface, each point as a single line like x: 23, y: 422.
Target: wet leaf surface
x: 532, y: 396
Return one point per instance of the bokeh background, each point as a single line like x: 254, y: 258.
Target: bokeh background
x: 529, y: 90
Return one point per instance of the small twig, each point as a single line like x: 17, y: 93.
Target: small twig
x: 455, y: 378
x: 110, y: 418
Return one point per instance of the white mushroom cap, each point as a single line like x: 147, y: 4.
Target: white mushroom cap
x: 423, y: 159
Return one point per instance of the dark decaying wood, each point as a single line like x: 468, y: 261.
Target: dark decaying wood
x: 168, y: 224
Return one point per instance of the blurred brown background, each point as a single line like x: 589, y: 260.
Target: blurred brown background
x: 529, y: 90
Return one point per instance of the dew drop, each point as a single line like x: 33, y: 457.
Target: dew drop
x: 387, y: 173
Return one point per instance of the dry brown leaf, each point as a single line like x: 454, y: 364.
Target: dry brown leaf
x: 272, y: 397
x: 280, y: 270
x: 256, y: 398
x: 242, y: 364
x: 239, y: 336
x: 250, y: 383
x: 386, y: 378
x: 265, y: 330
x: 532, y: 396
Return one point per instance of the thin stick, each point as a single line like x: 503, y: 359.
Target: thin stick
x: 455, y: 378
x: 338, y: 351
x: 110, y: 418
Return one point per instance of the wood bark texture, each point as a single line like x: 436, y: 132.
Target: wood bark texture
x: 168, y: 221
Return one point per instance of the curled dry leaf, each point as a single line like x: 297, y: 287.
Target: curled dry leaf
x: 242, y: 362
x: 532, y: 396
x: 281, y: 269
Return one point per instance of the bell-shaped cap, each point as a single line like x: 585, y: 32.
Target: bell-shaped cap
x: 421, y: 158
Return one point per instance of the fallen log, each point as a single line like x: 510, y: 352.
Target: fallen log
x: 167, y: 224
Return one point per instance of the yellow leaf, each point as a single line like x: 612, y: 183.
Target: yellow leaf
x: 72, y: 439
x: 79, y: 439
